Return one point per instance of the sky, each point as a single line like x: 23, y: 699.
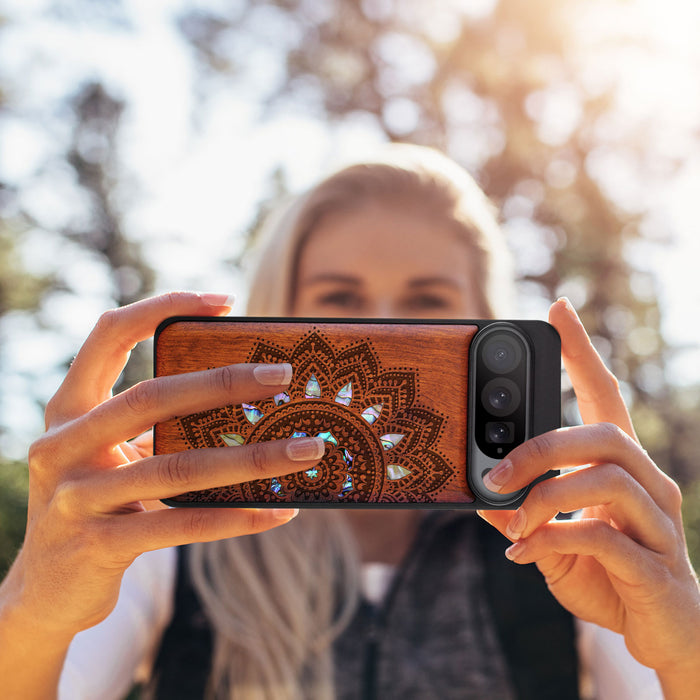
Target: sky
x: 186, y: 183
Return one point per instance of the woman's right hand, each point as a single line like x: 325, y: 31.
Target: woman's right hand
x: 87, y: 516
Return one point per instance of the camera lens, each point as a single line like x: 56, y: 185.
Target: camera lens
x: 502, y: 353
x: 500, y: 396
x: 499, y: 432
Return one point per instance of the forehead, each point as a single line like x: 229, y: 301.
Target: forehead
x: 381, y: 238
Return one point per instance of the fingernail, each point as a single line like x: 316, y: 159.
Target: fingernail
x: 273, y: 375
x: 304, y: 449
x: 499, y: 476
x: 218, y: 299
x: 515, y: 550
x: 285, y: 514
x: 517, y: 525
x: 569, y: 306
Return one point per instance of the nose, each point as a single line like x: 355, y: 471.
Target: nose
x: 383, y: 308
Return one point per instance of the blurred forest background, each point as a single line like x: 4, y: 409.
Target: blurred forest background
x: 580, y: 119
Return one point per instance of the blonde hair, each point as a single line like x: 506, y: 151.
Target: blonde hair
x: 403, y: 175
x: 277, y: 600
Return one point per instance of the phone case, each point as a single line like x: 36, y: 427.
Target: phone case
x: 390, y: 399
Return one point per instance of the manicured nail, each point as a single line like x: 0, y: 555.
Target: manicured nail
x: 569, y: 306
x: 499, y: 476
x: 517, y: 525
x: 285, y: 514
x: 304, y: 449
x: 274, y: 375
x: 515, y: 550
x: 218, y: 299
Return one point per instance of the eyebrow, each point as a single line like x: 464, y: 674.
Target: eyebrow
x: 350, y: 280
x: 433, y: 281
x: 332, y: 277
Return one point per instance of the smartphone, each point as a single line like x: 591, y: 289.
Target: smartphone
x: 414, y: 413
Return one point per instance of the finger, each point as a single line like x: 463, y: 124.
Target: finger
x: 105, y: 352
x: 579, y: 445
x: 143, y: 444
x: 497, y: 518
x: 166, y: 476
x: 131, y: 452
x: 156, y: 529
x: 606, y: 486
x: 157, y: 400
x: 596, y: 388
x: 614, y: 550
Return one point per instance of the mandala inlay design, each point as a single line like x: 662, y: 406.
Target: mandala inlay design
x: 382, y: 441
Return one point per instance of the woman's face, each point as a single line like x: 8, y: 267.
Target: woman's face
x: 385, y: 261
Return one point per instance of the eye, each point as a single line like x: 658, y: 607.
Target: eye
x: 341, y: 299
x: 427, y: 302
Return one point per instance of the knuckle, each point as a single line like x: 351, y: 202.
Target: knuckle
x: 600, y: 533
x: 673, y: 537
x: 257, y: 521
x: 617, y: 478
x: 226, y: 379
x: 196, y: 525
x: 674, y: 495
x: 37, y: 455
x: 257, y: 459
x: 542, y: 494
x: 42, y: 454
x: 612, y: 383
x: 110, y: 326
x: 174, y: 299
x: 53, y: 410
x: 141, y: 397
x: 539, y: 448
x: 175, y: 471
x: 67, y: 498
x: 107, y: 322
x: 610, y: 432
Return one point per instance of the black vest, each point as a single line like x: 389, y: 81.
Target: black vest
x: 411, y: 647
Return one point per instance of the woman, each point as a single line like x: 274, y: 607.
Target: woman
x: 411, y: 236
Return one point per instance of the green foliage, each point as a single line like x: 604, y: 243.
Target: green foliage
x: 14, y: 483
x: 691, y: 521
x: 18, y: 289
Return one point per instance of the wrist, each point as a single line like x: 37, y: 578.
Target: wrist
x: 26, y: 631
x: 682, y: 681
x: 20, y: 620
x: 32, y: 656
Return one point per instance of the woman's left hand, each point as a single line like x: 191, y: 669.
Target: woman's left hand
x: 623, y: 564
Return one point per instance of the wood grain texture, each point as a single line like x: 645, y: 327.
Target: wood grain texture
x: 412, y: 376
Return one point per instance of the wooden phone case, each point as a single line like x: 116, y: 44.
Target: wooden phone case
x: 389, y: 399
